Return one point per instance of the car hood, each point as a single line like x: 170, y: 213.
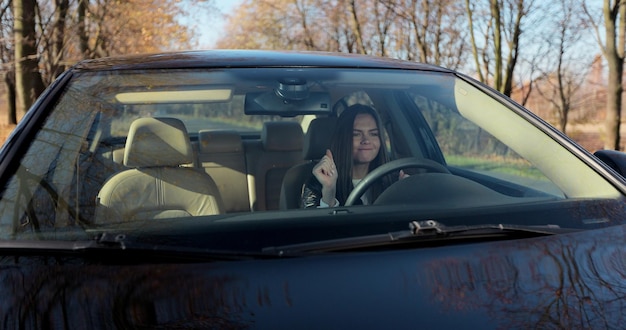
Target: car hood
x: 562, y: 281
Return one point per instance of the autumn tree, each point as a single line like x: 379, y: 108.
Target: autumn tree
x: 286, y: 25
x: 361, y: 27
x: 430, y: 31
x: 98, y: 29
x: 48, y: 36
x: 269, y: 23
x: 425, y: 30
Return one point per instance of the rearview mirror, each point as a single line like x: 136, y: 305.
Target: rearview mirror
x: 290, y: 97
x: 270, y: 103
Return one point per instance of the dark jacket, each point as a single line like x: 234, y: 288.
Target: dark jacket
x: 312, y: 194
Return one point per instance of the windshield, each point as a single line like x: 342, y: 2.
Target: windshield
x: 231, y: 153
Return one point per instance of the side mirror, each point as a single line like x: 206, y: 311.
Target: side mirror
x: 614, y: 159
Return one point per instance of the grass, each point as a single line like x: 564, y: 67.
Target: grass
x: 508, y: 166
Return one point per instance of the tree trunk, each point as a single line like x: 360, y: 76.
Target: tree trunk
x: 613, y: 103
x: 614, y: 19
x: 497, y: 44
x: 28, y: 82
x: 356, y: 27
x: 9, y: 81
x: 58, y: 39
x: 82, y: 30
x: 563, y: 119
x: 475, y: 55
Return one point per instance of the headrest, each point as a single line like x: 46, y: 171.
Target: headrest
x: 219, y: 141
x: 157, y: 142
x: 318, y: 137
x: 282, y: 136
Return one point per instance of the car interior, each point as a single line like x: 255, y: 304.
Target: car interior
x: 240, y: 173
x: 181, y: 147
x: 262, y: 171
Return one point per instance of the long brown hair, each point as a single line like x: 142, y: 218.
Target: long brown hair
x: 341, y: 147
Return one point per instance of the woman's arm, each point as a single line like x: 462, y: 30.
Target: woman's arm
x: 326, y: 174
x: 311, y: 193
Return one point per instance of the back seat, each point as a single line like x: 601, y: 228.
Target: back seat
x: 248, y: 173
x: 221, y: 155
x: 268, y: 160
x: 316, y: 141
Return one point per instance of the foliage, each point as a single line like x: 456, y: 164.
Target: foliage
x: 526, y: 49
x: 501, y: 42
x: 66, y: 31
x: 423, y: 30
x: 284, y: 24
x: 113, y: 27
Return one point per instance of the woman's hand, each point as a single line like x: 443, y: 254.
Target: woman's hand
x: 326, y: 173
x: 402, y: 175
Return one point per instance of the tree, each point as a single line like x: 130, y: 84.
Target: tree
x: 393, y: 28
x: 7, y: 58
x: 28, y: 83
x: 49, y: 36
x: 290, y: 25
x: 496, y: 51
x: 57, y: 38
x: 614, y: 17
x: 563, y: 80
x: 430, y: 31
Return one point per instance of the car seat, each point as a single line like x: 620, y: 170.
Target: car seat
x: 316, y: 140
x: 157, y: 185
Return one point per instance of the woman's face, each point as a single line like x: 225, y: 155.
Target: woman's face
x: 365, y: 139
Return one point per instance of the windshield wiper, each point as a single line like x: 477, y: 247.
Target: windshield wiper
x: 115, y: 245
x: 121, y: 242
x: 420, y: 231
x: 431, y: 226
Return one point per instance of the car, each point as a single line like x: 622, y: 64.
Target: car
x: 165, y: 191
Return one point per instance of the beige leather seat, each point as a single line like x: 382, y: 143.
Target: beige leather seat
x: 221, y: 154
x: 156, y: 185
x: 281, y: 148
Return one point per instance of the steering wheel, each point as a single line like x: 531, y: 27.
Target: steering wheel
x: 394, y: 165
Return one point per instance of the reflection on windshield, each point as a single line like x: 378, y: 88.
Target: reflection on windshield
x: 107, y: 153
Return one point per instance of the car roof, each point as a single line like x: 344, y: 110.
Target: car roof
x: 249, y: 58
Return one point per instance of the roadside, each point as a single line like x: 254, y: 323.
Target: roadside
x: 590, y: 135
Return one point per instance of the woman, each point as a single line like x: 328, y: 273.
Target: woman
x: 355, y: 150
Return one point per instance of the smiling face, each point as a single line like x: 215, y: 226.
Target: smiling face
x: 365, y: 139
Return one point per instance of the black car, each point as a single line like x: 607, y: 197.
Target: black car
x: 165, y: 191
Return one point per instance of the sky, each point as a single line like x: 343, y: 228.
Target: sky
x: 210, y: 33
